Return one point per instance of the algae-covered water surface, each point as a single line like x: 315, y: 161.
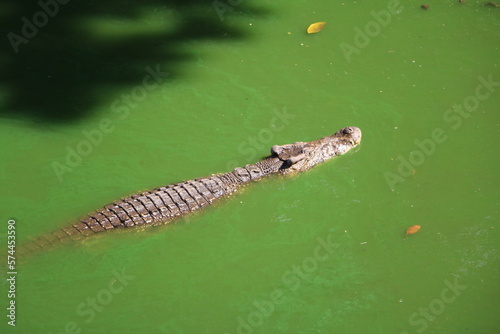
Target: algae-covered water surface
x: 102, y: 100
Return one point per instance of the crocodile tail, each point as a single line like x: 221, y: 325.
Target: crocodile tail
x: 47, y: 240
x: 155, y: 207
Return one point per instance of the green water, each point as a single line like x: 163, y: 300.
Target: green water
x: 324, y: 252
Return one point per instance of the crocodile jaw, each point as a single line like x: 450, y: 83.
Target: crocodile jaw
x: 302, y: 156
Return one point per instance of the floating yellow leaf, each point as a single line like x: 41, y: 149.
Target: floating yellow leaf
x: 412, y: 229
x: 315, y: 27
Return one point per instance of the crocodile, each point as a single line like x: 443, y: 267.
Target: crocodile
x: 163, y: 205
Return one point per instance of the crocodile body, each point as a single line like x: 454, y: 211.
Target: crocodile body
x: 162, y: 205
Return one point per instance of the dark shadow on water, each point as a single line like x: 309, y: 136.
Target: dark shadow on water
x: 65, y: 69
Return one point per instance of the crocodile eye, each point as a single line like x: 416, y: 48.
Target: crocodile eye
x: 347, y: 131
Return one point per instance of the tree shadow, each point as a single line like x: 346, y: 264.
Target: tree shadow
x: 61, y: 67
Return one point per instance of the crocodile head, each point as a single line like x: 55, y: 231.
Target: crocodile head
x: 301, y: 156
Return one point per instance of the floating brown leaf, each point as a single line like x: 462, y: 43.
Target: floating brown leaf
x: 315, y: 27
x: 412, y: 229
